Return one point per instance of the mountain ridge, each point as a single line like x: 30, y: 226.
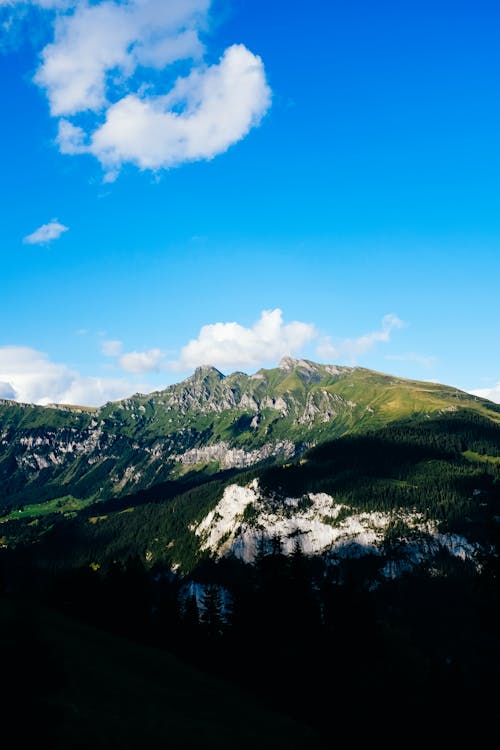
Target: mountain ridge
x: 208, y: 421
x: 287, y: 364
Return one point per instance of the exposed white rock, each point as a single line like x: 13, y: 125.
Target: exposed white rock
x: 222, y: 522
x: 129, y: 477
x: 278, y: 404
x: 245, y: 519
x: 234, y: 457
x: 247, y: 402
x: 336, y: 370
x: 311, y: 520
x: 288, y: 363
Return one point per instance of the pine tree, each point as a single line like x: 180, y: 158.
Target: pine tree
x: 190, y: 614
x: 212, y: 612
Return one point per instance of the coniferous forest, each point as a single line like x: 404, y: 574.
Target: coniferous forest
x: 329, y: 643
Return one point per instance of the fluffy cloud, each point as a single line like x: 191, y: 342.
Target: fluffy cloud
x: 229, y: 345
x: 351, y: 349
x: 46, y: 233
x: 115, y: 37
x: 29, y: 376
x: 148, y: 361
x: 493, y: 393
x: 111, y: 59
x: 219, y: 105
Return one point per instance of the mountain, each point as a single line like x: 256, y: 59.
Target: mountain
x: 274, y: 529
x: 208, y: 422
x: 344, y: 462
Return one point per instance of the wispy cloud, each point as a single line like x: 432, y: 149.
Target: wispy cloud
x: 100, y: 75
x: 111, y: 347
x: 423, y: 360
x: 350, y: 349
x: 46, y: 233
x: 493, y: 393
x: 47, y: 4
x: 148, y: 361
x: 40, y: 3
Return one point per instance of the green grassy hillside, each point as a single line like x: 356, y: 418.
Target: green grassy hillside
x: 206, y: 423
x: 445, y: 467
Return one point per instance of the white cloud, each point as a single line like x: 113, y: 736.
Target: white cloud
x: 92, y: 391
x: 351, y: 349
x: 148, y: 361
x: 7, y: 390
x: 29, y: 376
x: 493, y: 393
x: 229, y: 345
x: 101, y: 45
x: 111, y: 348
x: 109, y: 61
x: 220, y: 104
x: 40, y: 3
x: 46, y: 233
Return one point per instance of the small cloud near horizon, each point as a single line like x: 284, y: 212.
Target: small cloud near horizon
x: 29, y: 376
x: 492, y: 394
x: 350, y: 349
x: 426, y: 361
x: 149, y: 361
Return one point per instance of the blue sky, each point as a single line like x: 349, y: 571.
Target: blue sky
x: 226, y: 182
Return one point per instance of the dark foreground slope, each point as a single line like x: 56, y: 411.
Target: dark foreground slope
x: 70, y: 686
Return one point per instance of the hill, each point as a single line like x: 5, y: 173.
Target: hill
x: 70, y: 457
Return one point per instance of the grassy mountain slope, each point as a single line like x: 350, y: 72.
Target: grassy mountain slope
x: 445, y: 468
x: 206, y: 422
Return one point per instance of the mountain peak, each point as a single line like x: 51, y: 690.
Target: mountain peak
x: 204, y: 371
x: 288, y: 363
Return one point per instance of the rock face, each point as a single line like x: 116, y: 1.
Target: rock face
x: 224, y: 421
x: 227, y: 457
x: 246, y: 520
